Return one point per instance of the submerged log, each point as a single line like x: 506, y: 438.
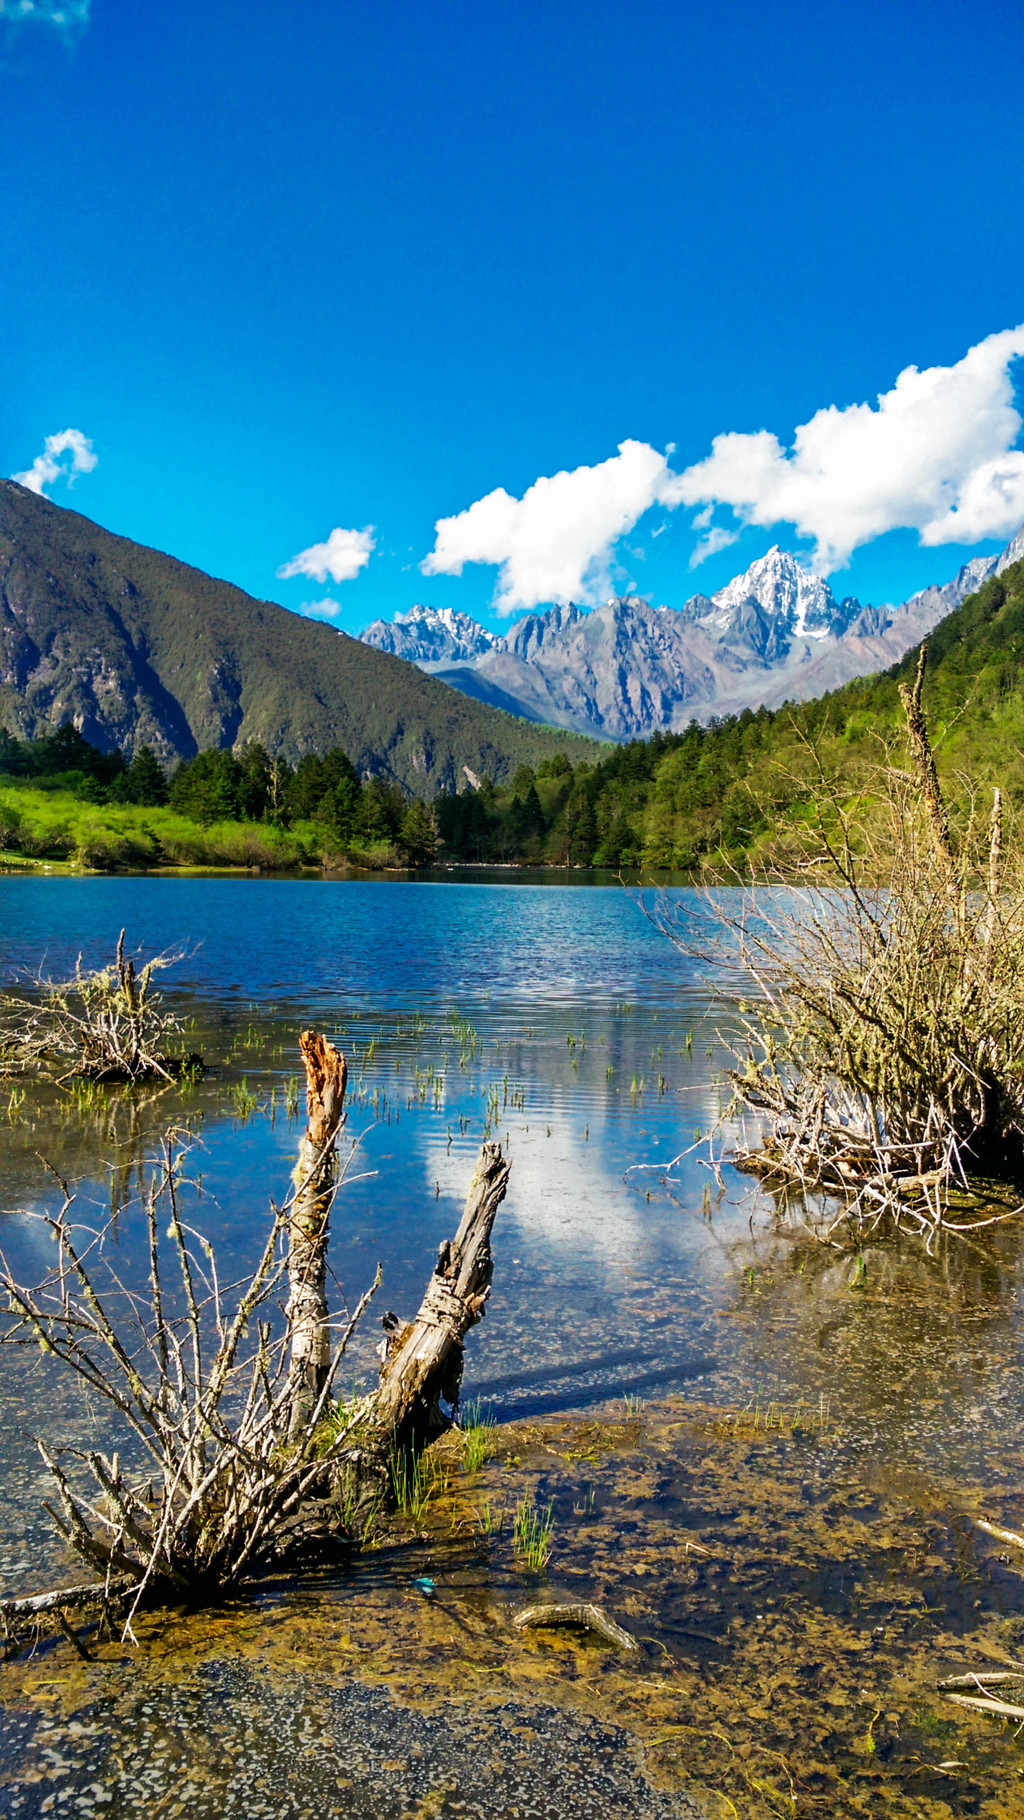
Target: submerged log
x: 579, y: 1617
x: 315, y: 1179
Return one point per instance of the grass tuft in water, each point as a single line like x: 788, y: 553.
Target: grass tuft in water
x: 415, y: 1480
x: 244, y: 1099
x: 531, y: 1533
x: 478, y: 1437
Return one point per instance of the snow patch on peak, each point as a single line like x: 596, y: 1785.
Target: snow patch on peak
x: 428, y: 635
x: 786, y: 592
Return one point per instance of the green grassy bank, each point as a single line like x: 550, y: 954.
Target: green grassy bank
x: 53, y: 826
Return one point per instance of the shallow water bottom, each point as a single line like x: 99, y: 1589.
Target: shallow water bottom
x: 794, y: 1615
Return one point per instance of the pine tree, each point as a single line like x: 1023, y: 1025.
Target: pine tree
x: 418, y: 835
x: 145, y: 782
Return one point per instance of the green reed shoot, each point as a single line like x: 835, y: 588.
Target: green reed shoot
x: 477, y: 1437
x: 531, y: 1533
x: 15, y: 1101
x: 244, y: 1100
x: 415, y: 1480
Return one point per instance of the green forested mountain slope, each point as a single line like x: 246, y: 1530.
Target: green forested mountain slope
x: 137, y: 648
x: 752, y: 787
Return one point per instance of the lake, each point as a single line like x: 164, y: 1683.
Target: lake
x: 558, y: 1018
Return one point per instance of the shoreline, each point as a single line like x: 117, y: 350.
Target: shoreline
x: 795, y: 1606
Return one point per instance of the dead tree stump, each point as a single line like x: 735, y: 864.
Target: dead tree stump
x: 315, y: 1179
x: 423, y: 1359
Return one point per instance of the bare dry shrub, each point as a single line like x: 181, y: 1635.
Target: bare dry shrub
x: 882, y: 1046
x: 106, y: 1025
x: 196, y: 1374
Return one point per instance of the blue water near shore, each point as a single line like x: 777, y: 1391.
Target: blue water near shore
x: 339, y: 943
x: 560, y: 1020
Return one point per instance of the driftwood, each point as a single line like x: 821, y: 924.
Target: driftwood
x: 581, y: 1617
x: 66, y: 1598
x: 423, y: 1358
x: 1001, y: 1535
x: 315, y: 1180
x: 25, y: 1619
x: 980, y: 1682
x: 1002, y: 1709
x: 973, y: 1690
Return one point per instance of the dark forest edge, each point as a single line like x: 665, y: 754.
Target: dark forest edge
x: 742, y: 792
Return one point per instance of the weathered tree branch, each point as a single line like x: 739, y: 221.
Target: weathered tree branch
x: 423, y: 1359
x: 924, y: 758
x: 315, y: 1180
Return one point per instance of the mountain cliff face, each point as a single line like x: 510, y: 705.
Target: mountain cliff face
x: 430, y: 635
x: 776, y: 633
x: 137, y: 649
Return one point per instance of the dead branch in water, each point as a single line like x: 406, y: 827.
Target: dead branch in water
x: 422, y: 1359
x: 580, y: 1617
x: 107, y: 1025
x: 234, y: 1434
x: 198, y: 1374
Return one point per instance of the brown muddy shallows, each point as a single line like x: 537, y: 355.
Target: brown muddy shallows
x: 796, y: 1609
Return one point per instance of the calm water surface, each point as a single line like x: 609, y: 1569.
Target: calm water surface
x: 561, y: 1020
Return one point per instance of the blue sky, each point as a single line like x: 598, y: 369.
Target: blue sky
x: 295, y: 271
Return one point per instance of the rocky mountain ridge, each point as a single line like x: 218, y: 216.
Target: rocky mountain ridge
x: 430, y: 635
x: 775, y: 633
x: 135, y: 648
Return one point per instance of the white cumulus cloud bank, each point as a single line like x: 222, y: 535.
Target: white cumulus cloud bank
x: 556, y: 542
x: 936, y: 454
x: 339, y: 559
x: 64, y: 15
x: 68, y: 453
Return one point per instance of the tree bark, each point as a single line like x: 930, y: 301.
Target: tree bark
x: 423, y: 1359
x: 315, y: 1179
x: 426, y: 1362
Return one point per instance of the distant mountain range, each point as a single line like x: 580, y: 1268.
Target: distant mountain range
x: 135, y: 648
x: 775, y: 633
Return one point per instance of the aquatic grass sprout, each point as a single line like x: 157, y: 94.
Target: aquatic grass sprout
x: 531, y: 1533
x: 416, y: 1479
x: 244, y: 1100
x: 478, y: 1438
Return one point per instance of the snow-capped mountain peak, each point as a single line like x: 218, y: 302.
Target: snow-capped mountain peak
x: 775, y: 633
x: 429, y: 635
x: 787, y: 593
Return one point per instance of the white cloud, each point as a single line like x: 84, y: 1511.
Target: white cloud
x: 936, y: 455
x: 339, y: 559
x: 65, y: 15
x: 48, y: 466
x: 321, y: 609
x: 554, y: 544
